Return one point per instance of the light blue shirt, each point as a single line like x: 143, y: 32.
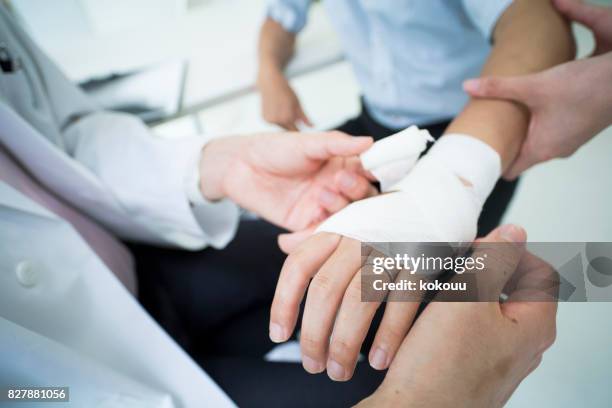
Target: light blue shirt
x: 410, y: 57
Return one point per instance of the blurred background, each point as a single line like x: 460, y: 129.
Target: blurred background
x: 189, y: 66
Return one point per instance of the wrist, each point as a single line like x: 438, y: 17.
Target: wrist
x: 473, y: 161
x: 270, y: 73
x: 215, y: 160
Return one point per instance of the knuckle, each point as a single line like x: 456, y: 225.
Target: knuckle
x: 489, y: 85
x: 390, y: 334
x: 343, y: 350
x: 296, y: 265
x: 549, y: 338
x: 536, y: 362
x: 310, y: 345
x: 283, y: 305
x: 321, y: 287
x: 545, y: 154
x: 353, y: 292
x: 361, y: 188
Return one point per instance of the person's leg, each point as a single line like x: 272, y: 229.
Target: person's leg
x: 194, y: 294
x: 253, y: 382
x: 365, y: 125
x: 495, y: 206
x: 256, y: 383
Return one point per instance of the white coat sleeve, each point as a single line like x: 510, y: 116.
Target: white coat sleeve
x: 149, y: 177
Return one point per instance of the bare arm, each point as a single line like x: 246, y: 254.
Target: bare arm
x: 529, y: 37
x: 280, y: 104
x: 276, y: 47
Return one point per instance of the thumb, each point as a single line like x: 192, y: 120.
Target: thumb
x: 525, y: 160
x: 502, y: 251
x: 514, y: 88
x: 302, y: 116
x: 290, y: 241
x: 325, y: 145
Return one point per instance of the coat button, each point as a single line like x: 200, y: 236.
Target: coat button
x: 27, y: 275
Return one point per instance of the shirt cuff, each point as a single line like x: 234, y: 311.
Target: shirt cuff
x: 219, y: 219
x: 291, y: 16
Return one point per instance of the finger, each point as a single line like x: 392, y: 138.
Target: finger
x: 324, y: 296
x: 290, y: 241
x: 331, y: 201
x: 302, y: 116
x: 297, y: 271
x: 396, y: 322
x: 524, y: 161
x: 587, y: 14
x: 353, y: 186
x: 323, y: 146
x: 350, y: 330
x: 292, y: 127
x: 353, y: 164
x: 514, y: 88
x: 502, y: 251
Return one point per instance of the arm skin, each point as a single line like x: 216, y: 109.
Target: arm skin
x: 529, y: 37
x: 280, y: 104
x: 276, y: 47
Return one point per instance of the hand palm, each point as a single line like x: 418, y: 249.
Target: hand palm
x: 284, y: 180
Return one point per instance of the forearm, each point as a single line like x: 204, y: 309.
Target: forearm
x: 276, y: 47
x: 529, y: 37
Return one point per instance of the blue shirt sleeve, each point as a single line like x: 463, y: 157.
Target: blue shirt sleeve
x: 484, y: 14
x: 291, y: 14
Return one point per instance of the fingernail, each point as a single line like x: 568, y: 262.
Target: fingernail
x: 311, y: 365
x: 335, y: 371
x: 277, y: 333
x: 512, y: 233
x: 347, y: 181
x: 327, y: 197
x: 471, y: 85
x: 378, y: 360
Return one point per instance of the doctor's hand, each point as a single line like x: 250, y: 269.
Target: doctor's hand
x: 570, y: 103
x: 475, y: 354
x: 292, y: 181
x: 280, y: 104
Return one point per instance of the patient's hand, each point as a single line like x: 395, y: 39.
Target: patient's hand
x: 462, y: 354
x: 431, y: 204
x: 280, y: 104
x: 294, y: 182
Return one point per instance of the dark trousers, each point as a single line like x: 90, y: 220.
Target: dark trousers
x: 216, y: 305
x: 496, y: 204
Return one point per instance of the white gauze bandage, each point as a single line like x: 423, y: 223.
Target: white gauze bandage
x: 391, y: 158
x: 432, y: 203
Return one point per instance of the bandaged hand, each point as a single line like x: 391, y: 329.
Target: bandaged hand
x: 438, y: 201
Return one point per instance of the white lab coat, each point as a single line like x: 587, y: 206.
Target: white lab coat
x: 61, y: 310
